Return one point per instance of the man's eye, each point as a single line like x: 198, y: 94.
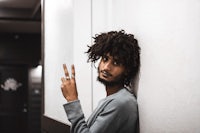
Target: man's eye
x: 116, y: 63
x: 105, y: 58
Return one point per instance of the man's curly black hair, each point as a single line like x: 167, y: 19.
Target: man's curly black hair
x: 119, y: 45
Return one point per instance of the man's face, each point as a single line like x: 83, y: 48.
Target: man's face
x: 110, y: 71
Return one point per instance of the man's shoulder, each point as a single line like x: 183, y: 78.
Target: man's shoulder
x: 122, y: 99
x: 125, y: 95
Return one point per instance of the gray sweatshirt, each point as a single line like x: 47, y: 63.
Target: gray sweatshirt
x: 116, y: 113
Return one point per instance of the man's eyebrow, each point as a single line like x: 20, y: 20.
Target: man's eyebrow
x: 104, y: 55
x: 119, y: 60
x: 116, y: 58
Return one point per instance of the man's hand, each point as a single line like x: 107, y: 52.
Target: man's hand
x: 68, y: 85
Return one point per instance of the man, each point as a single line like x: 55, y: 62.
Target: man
x: 119, y: 56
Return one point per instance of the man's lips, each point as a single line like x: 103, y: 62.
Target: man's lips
x: 105, y: 74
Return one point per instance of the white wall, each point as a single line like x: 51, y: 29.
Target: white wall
x: 169, y: 95
x: 67, y: 31
x: 168, y: 33
x: 82, y: 38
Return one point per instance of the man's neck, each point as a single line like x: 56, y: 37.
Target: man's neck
x: 113, y: 89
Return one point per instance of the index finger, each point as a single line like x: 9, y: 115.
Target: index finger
x: 65, y: 70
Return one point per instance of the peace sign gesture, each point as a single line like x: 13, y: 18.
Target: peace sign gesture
x: 68, y: 85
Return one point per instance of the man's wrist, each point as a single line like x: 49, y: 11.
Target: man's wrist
x: 70, y: 99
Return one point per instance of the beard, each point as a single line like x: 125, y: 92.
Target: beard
x: 119, y: 80
x: 110, y: 83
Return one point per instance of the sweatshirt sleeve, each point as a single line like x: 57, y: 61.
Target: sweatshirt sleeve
x: 76, y: 117
x: 106, y: 122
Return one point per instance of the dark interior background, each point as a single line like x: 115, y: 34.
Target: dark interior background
x: 20, y: 51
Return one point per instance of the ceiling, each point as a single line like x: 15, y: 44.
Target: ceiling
x: 20, y: 16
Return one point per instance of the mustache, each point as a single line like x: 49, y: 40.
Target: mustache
x: 105, y: 72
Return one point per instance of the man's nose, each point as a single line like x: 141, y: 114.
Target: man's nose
x: 107, y: 65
